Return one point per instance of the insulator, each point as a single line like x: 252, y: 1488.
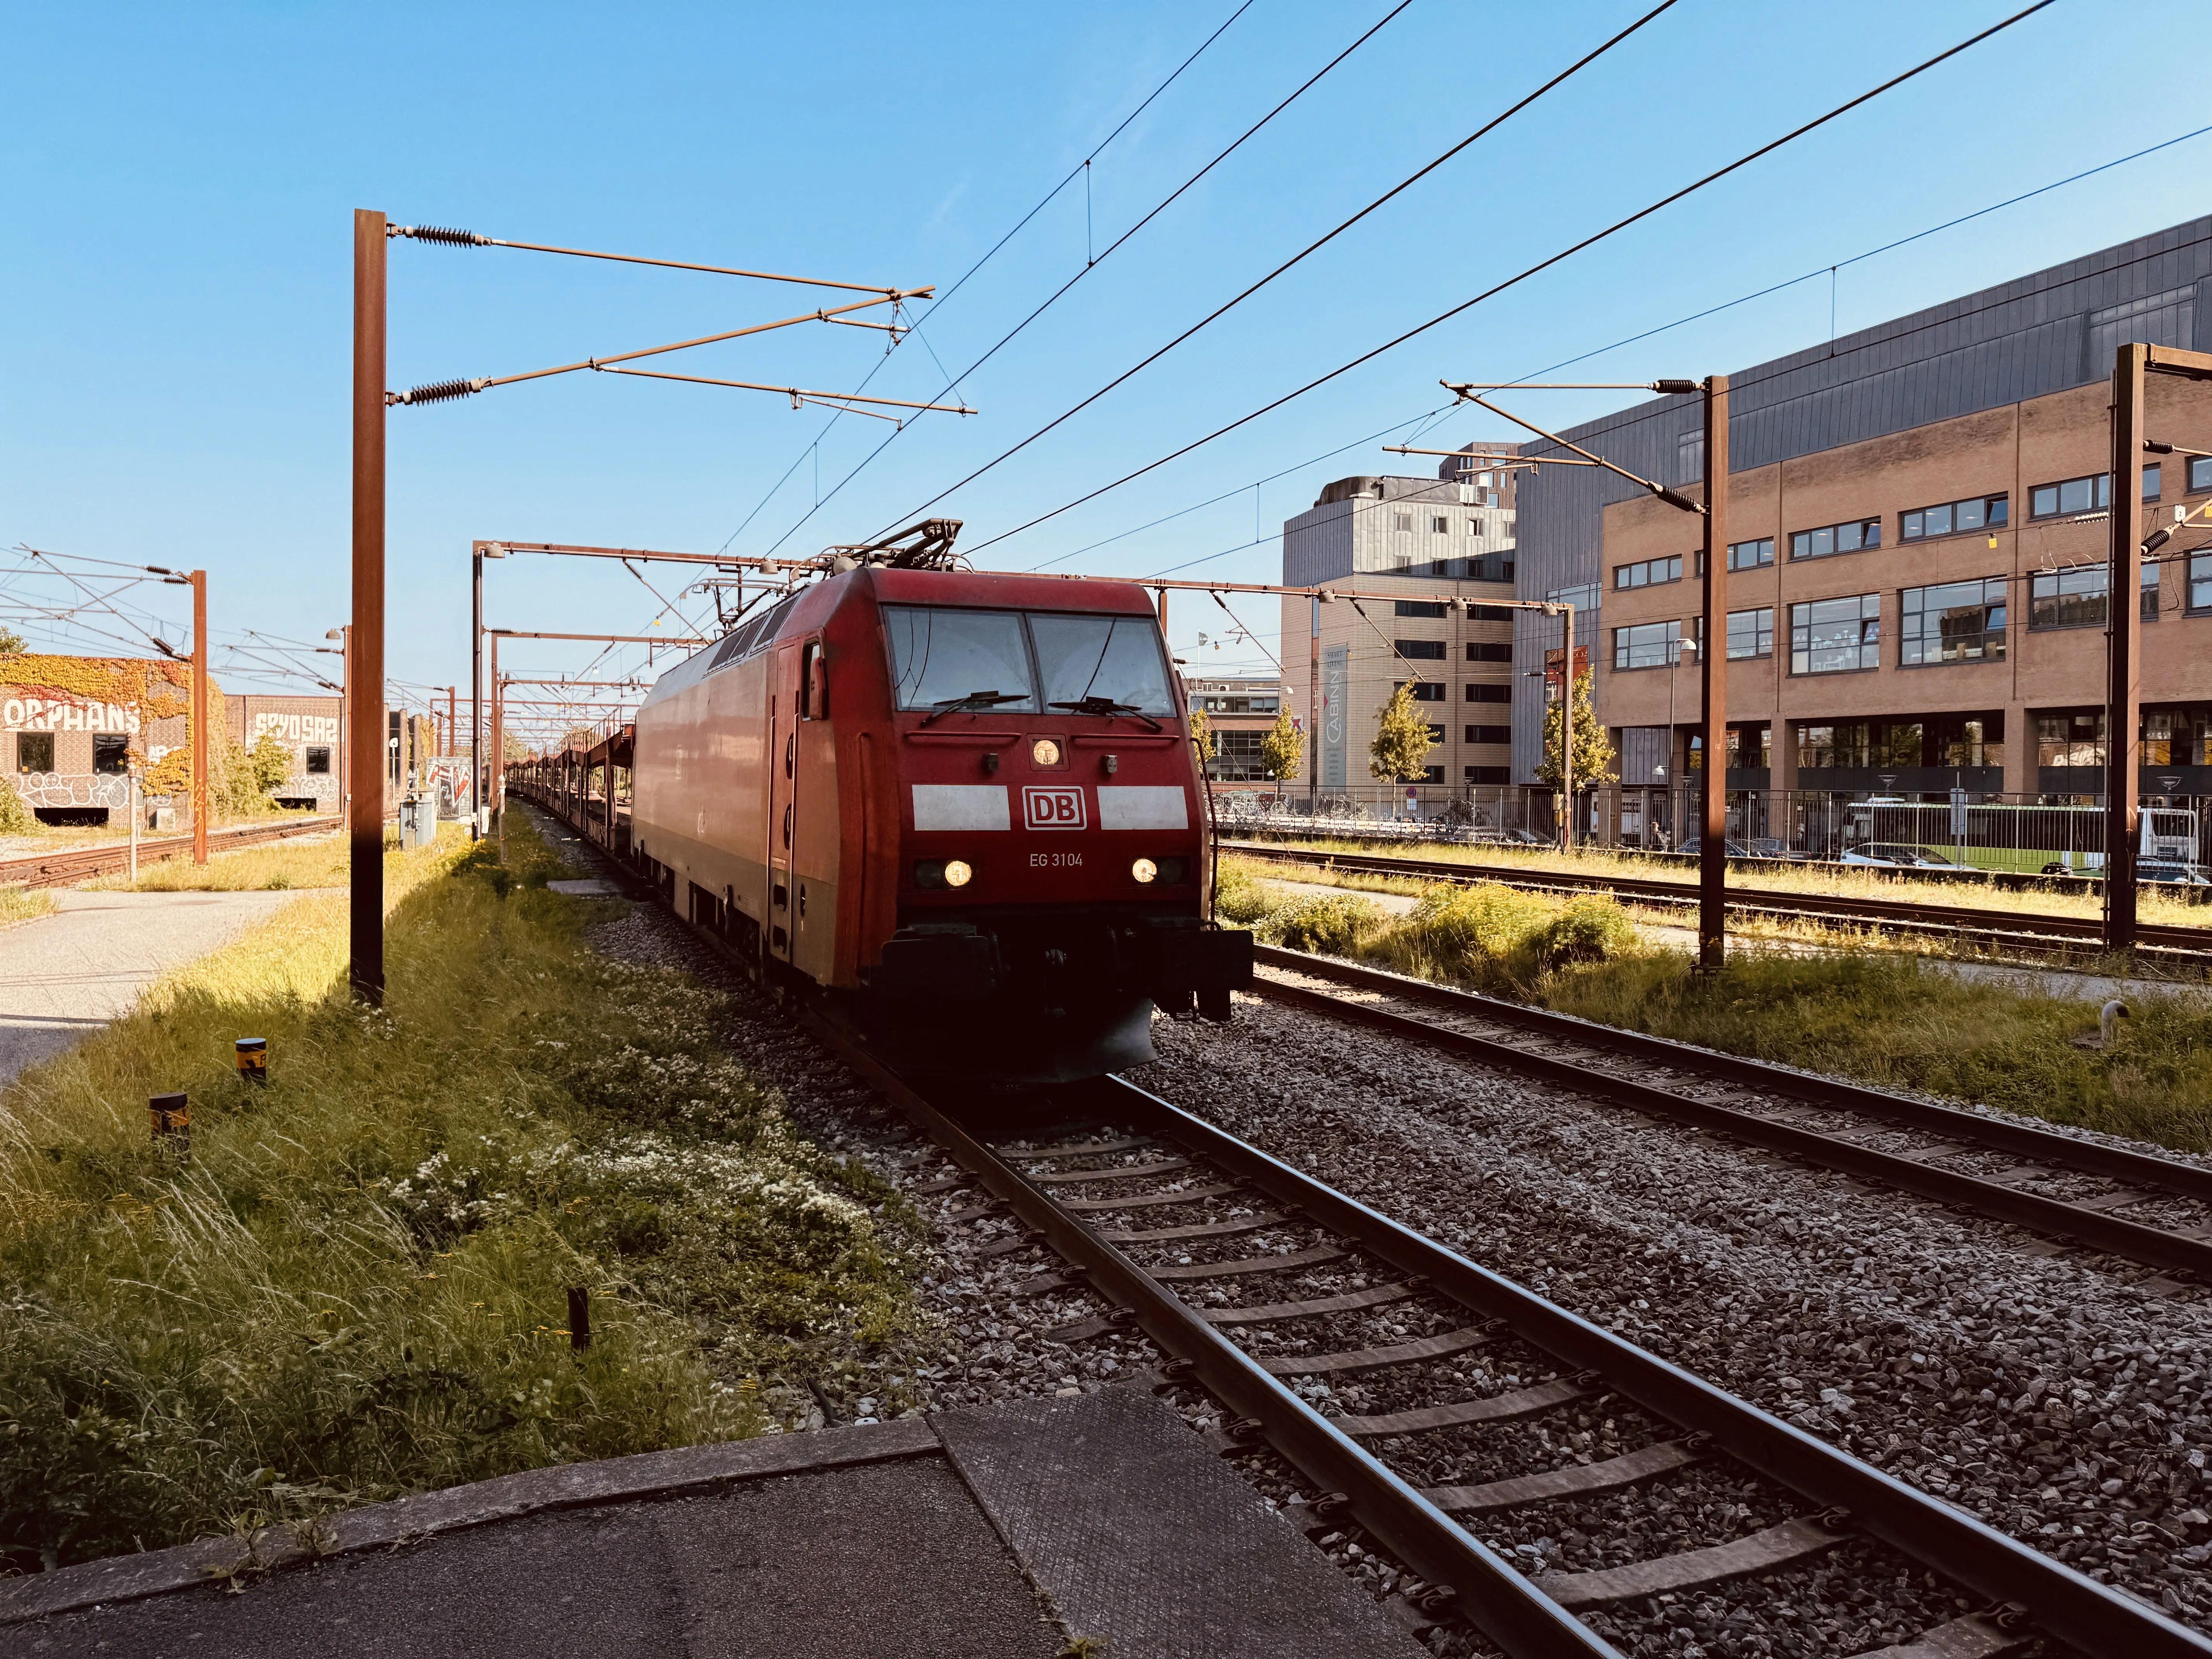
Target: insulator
x: 441, y: 233
x: 440, y: 391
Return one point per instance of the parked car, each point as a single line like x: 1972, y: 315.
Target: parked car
x: 1735, y: 849
x: 2159, y: 870
x: 1770, y: 846
x: 1897, y: 855
x: 1485, y: 836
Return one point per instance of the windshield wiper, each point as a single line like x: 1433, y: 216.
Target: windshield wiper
x: 973, y: 700
x: 1106, y: 708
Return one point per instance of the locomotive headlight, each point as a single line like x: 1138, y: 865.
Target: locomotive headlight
x: 957, y: 873
x: 1144, y: 869
x: 943, y: 873
x: 1045, y: 752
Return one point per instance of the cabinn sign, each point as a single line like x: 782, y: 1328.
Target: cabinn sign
x: 1053, y: 806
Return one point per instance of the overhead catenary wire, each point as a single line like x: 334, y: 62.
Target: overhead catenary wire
x: 1231, y: 304
x: 1157, y: 208
x: 1521, y: 276
x: 938, y: 301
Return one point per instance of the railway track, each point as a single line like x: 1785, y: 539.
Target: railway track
x: 2148, y: 1209
x: 1157, y: 1213
x: 61, y: 869
x: 1258, y: 1280
x: 2012, y: 930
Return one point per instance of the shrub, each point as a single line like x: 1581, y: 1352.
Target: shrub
x: 1588, y: 929
x: 15, y: 818
x: 1335, y: 924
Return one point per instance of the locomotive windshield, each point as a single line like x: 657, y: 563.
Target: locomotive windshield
x: 1101, y: 664
x: 940, y: 658
x: 949, y: 662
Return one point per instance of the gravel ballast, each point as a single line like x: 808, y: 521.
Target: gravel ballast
x: 2041, y: 1393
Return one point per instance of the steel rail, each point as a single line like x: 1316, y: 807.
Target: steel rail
x: 2154, y: 1247
x: 1510, y: 1608
x: 1995, y: 926
x: 2093, y: 1617
x: 81, y: 864
x: 1488, y: 1592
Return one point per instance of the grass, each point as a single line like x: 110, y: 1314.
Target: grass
x: 64, y: 837
x: 311, y: 862
x: 1883, y: 1016
x: 1777, y: 877
x: 21, y: 903
x: 357, y: 1285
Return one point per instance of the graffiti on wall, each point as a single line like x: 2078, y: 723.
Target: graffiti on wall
x: 66, y: 714
x: 295, y: 728
x: 66, y: 789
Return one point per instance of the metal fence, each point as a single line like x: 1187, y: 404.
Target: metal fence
x: 2017, y: 834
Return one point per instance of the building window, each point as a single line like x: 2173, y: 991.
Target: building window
x: 1405, y: 523
x: 1751, y: 556
x: 1858, y: 534
x: 1647, y: 573
x: 1439, y: 525
x: 2165, y: 736
x: 1236, y: 757
x: 1953, y: 518
x: 1836, y: 637
x: 1750, y: 633
x: 1970, y: 739
x: 2200, y: 581
x: 1420, y: 650
x: 1489, y: 734
x: 2200, y: 473
x: 1689, y: 456
x: 1490, y: 651
x: 1958, y: 622
x: 1425, y: 691
x: 2070, y: 497
x: 1436, y: 734
x: 1847, y: 746
x: 2068, y: 598
x: 1647, y: 645
x: 1489, y: 693
x: 319, y: 761
x: 1432, y: 775
x: 34, y: 751
x: 111, y: 753
x: 2070, y: 739
x: 1486, y: 774
x: 1761, y: 758
x: 1435, y: 608
x: 2151, y: 476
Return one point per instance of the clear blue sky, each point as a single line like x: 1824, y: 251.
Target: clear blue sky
x: 178, y: 184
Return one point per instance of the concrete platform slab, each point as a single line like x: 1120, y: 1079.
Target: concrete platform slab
x: 1147, y: 1541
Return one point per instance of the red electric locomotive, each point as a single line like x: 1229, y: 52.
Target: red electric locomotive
x: 966, y: 805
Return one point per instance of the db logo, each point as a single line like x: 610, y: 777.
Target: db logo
x: 1055, y: 807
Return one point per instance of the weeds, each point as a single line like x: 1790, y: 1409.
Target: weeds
x: 21, y: 903
x: 311, y: 862
x: 357, y: 1285
x: 1877, y: 1014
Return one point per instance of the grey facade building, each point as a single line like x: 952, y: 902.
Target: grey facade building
x: 1445, y: 529
x: 2047, y: 332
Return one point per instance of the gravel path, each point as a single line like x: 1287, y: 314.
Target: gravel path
x: 2041, y: 1393
x: 67, y: 975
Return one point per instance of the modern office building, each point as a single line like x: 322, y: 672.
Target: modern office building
x: 1241, y: 711
x: 1915, y: 582
x: 1423, y: 543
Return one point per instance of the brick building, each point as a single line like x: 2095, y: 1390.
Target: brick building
x: 1916, y: 590
x: 309, y: 729
x: 67, y: 730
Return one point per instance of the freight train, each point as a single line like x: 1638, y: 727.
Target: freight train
x: 965, y: 807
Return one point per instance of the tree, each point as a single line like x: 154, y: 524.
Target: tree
x: 1594, y: 756
x: 11, y: 642
x: 1283, y: 750
x: 1400, y: 753
x: 1201, y: 733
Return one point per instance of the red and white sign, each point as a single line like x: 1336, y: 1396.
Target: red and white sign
x: 1053, y: 806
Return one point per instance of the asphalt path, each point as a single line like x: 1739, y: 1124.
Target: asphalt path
x: 65, y: 976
